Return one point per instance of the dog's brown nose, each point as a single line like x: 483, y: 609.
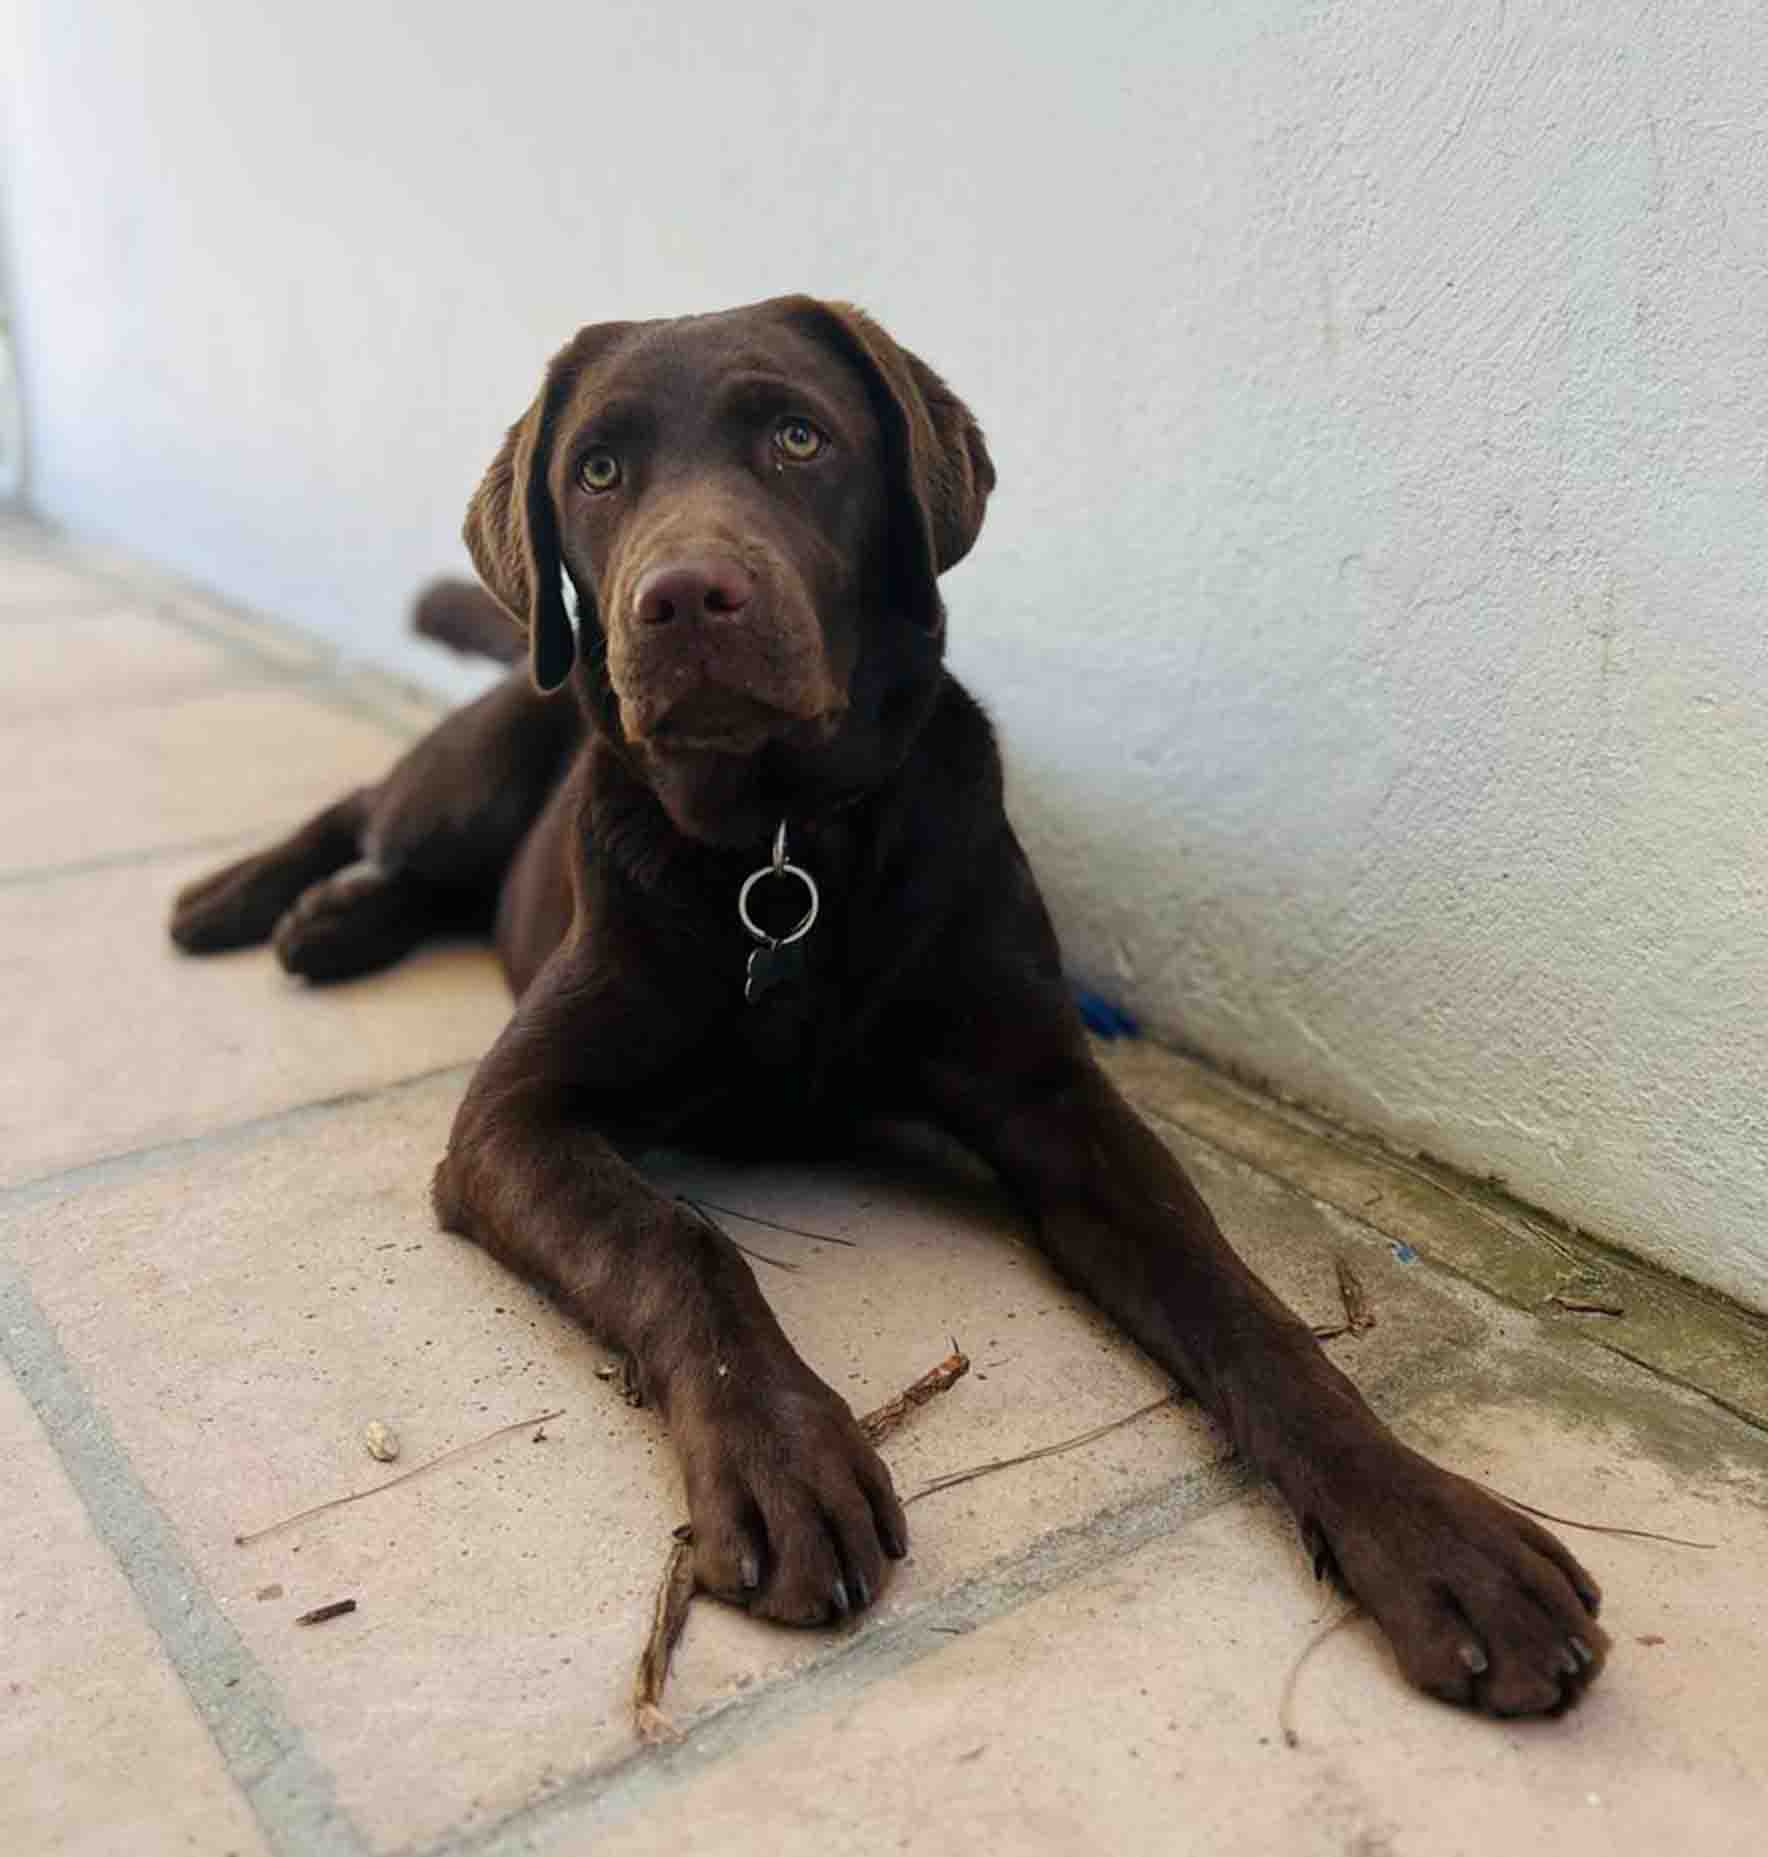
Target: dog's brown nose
x: 696, y: 587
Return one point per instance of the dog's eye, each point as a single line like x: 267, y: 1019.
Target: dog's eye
x: 798, y: 439
x: 599, y: 471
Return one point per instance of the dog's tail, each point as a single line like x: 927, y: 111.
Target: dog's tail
x: 466, y: 619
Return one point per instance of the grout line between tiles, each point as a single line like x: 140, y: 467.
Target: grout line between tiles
x: 116, y: 860
x: 231, y: 679
x: 127, y: 1163
x: 291, y: 1795
x: 597, y: 1799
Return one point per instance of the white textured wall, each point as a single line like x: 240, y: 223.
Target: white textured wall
x: 1375, y: 596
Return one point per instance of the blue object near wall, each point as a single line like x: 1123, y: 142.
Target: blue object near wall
x: 1104, y: 1017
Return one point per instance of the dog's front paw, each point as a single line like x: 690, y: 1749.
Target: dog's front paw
x: 1482, y: 1605
x: 794, y: 1514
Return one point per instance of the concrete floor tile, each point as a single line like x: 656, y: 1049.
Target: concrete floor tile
x: 241, y: 1322
x: 210, y: 764
x: 116, y: 1040
x: 100, y: 661
x: 1138, y: 1709
x: 102, y: 1748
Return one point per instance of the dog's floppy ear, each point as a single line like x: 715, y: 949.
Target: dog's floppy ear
x: 936, y: 447
x: 512, y: 530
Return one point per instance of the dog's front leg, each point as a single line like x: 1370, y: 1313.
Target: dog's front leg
x: 1481, y: 1605
x: 792, y: 1510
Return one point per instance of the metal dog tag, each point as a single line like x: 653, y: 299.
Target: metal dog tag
x: 779, y: 961
x: 781, y: 964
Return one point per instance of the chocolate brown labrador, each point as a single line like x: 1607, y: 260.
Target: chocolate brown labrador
x: 752, y: 879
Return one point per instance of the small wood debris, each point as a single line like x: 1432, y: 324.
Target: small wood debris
x: 1586, y: 1305
x: 337, y: 1609
x: 1358, y: 1315
x: 382, y: 1441
x: 272, y: 1591
x: 669, y: 1613
x: 879, y: 1424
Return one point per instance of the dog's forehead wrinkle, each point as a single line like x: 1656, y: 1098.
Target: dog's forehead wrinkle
x: 614, y: 416
x: 686, y: 365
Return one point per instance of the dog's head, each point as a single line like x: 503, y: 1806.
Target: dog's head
x: 753, y: 509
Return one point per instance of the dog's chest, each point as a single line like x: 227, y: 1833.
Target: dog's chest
x: 788, y: 1030
x: 793, y: 1059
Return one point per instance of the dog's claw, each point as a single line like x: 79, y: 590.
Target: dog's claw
x: 1474, y: 1658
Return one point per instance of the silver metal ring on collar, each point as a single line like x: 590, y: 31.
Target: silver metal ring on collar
x: 810, y: 914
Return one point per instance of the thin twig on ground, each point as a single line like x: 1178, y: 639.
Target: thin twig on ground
x: 773, y: 1225
x: 761, y: 1257
x: 706, y: 1218
x: 1286, y: 1706
x: 1602, y: 1528
x: 676, y: 1588
x: 952, y: 1478
x: 404, y: 1476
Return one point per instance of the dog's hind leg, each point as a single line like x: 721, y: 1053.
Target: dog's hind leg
x: 361, y: 918
x: 423, y: 852
x: 240, y: 905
